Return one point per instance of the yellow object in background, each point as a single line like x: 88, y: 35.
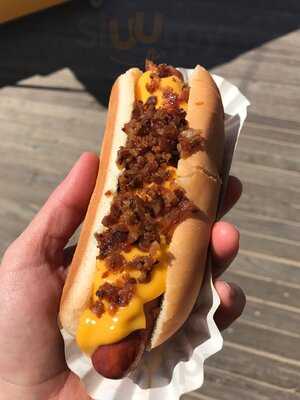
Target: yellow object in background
x: 11, y: 9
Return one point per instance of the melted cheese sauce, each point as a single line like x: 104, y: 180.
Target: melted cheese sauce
x: 93, y: 331
x: 170, y: 82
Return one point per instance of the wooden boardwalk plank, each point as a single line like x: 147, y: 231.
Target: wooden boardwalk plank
x: 272, y: 270
x: 273, y: 177
x: 271, y: 291
x: 270, y: 245
x: 271, y: 134
x: 273, y: 121
x: 275, y: 227
x: 224, y: 385
x: 285, y: 347
x: 261, y: 151
x: 273, y: 372
x: 262, y: 199
x: 269, y: 317
x: 51, y: 117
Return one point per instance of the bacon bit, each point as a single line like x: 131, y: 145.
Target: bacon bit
x: 190, y: 141
x: 131, y: 280
x: 184, y: 95
x: 145, y: 265
x: 118, y: 294
x: 152, y: 101
x: 98, y: 308
x: 145, y: 277
x: 141, y: 263
x: 150, y: 66
x: 114, y: 215
x: 163, y: 70
x: 170, y: 98
x: 108, y: 193
x: 154, y: 249
x: 109, y: 241
x: 153, y: 85
x: 115, y: 262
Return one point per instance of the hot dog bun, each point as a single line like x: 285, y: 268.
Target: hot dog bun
x: 197, y: 174
x: 78, y: 287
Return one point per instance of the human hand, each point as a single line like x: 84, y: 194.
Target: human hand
x: 225, y: 245
x: 32, y: 364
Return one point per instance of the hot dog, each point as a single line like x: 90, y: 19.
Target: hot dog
x: 117, y: 359
x: 141, y: 255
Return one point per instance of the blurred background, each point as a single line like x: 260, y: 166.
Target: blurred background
x: 56, y: 70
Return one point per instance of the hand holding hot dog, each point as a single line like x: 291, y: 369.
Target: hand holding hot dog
x: 32, y: 363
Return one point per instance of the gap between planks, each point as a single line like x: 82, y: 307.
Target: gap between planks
x: 264, y: 279
x: 281, y: 229
x: 266, y: 354
x: 47, y: 88
x: 268, y: 328
x: 269, y: 237
x: 197, y: 395
x: 273, y: 304
x: 266, y: 218
x: 264, y: 256
x: 269, y: 169
x: 271, y: 141
x: 252, y: 380
x: 260, y: 125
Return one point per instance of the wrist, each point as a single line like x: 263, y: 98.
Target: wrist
x: 16, y: 392
x: 49, y: 390
x: 64, y: 386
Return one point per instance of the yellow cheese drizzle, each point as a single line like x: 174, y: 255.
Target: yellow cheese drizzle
x: 93, y: 331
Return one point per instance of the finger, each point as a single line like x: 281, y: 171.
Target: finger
x: 233, y: 301
x: 65, y: 209
x: 224, y: 246
x: 233, y: 193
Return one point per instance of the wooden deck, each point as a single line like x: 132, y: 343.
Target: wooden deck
x: 55, y: 71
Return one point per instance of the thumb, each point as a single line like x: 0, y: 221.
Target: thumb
x: 55, y: 223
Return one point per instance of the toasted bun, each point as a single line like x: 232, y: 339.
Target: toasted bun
x: 78, y: 287
x: 198, y: 175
